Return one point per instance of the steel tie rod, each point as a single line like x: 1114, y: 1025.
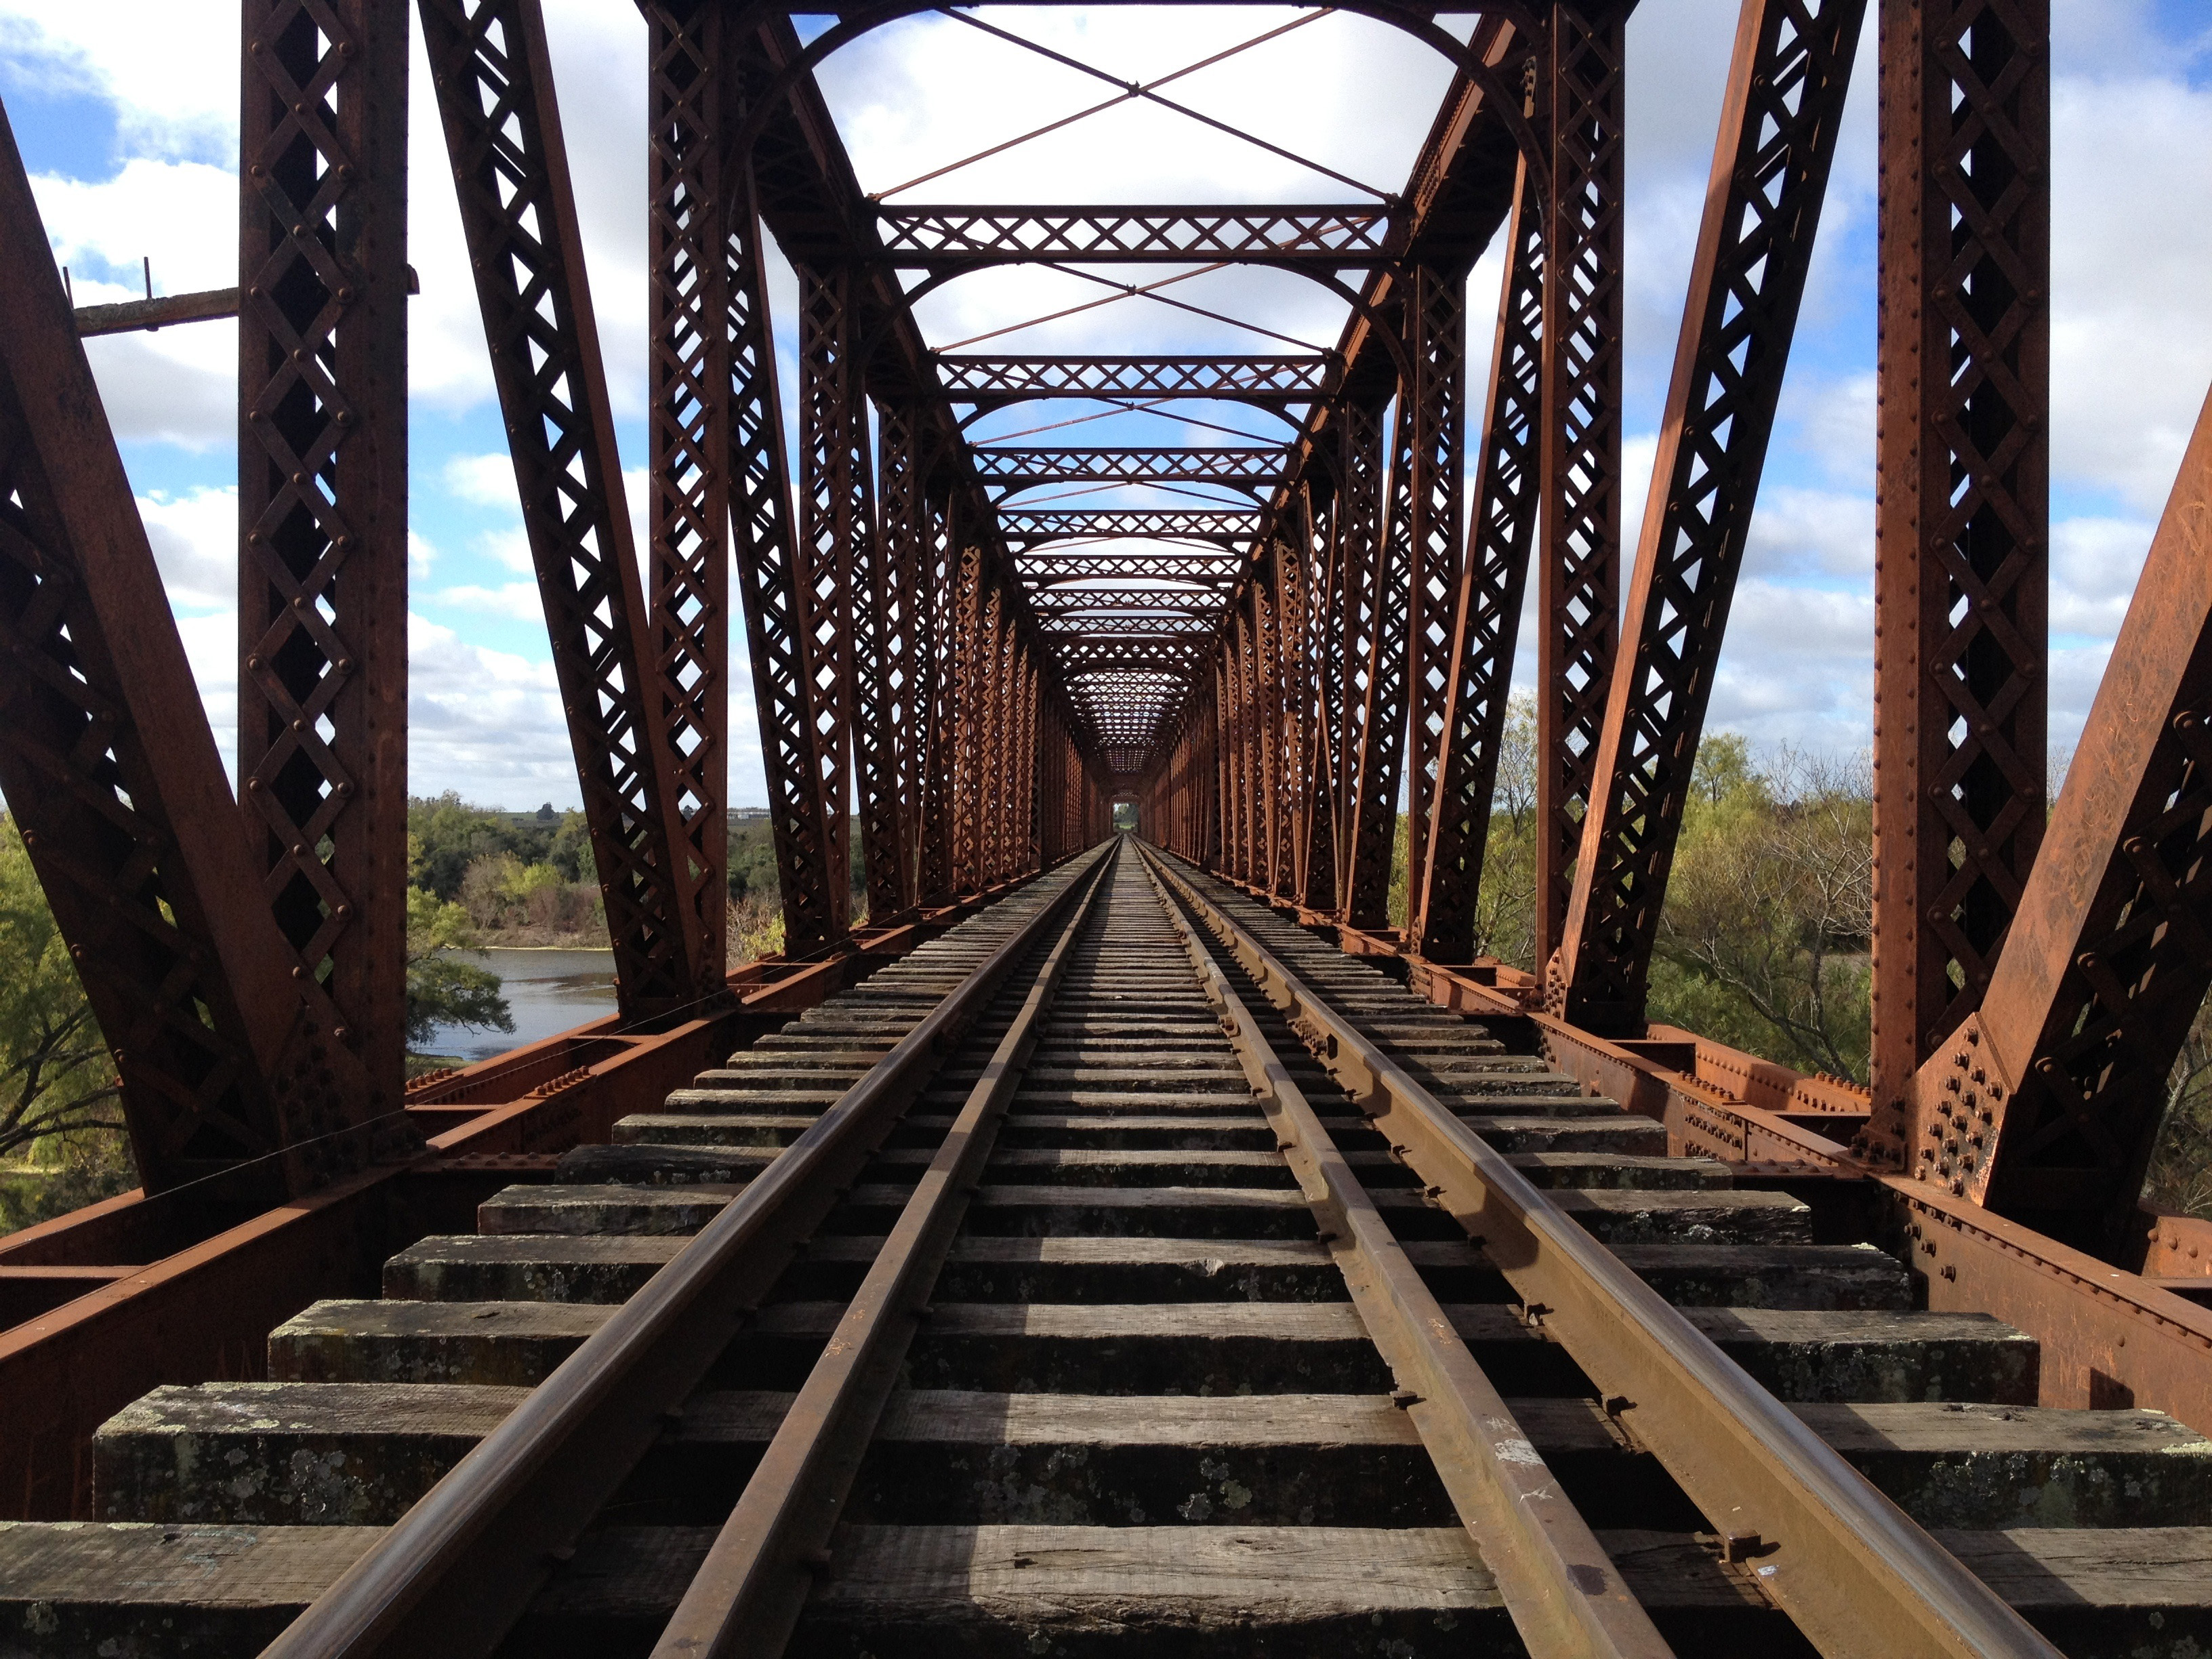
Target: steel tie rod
x: 1565, y: 1595
x: 459, y: 1568
x: 748, y: 1593
x: 1858, y: 1576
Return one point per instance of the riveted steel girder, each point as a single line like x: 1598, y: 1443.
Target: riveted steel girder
x: 2046, y: 1103
x: 1962, y: 527
x: 1270, y: 382
x: 1019, y: 469
x: 493, y: 72
x: 1578, y: 583
x: 322, y: 504
x: 226, y: 1056
x: 1779, y: 123
x: 1486, y: 615
x: 935, y: 237
x: 688, y: 580
x: 1040, y: 527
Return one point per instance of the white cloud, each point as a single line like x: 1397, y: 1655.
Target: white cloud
x: 516, y: 600
x: 487, y: 723
x: 194, y: 541
x: 482, y: 481
x: 1810, y: 533
x: 170, y: 68
x: 2132, y: 334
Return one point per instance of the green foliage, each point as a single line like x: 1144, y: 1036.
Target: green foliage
x: 56, y: 1076
x: 2180, y: 1175
x: 1764, y: 941
x: 752, y: 861
x: 61, y: 1113
x: 439, y: 990
x: 452, y: 835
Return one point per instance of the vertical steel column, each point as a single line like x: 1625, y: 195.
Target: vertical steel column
x: 901, y: 692
x: 1578, y: 580
x: 941, y: 694
x: 110, y: 773
x: 1486, y: 610
x: 1433, y: 445
x: 765, y: 542
x: 1374, y: 694
x: 1324, y: 630
x: 990, y: 771
x: 2046, y: 1103
x: 1290, y: 714
x: 494, y: 77
x: 877, y: 666
x: 322, y: 505
x: 1779, y: 122
x: 832, y: 525
x: 1961, y: 541
x: 964, y: 701
x: 688, y: 366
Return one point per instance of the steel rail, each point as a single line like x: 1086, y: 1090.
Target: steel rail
x: 748, y: 1593
x: 1565, y: 1595
x: 1861, y: 1579
x: 457, y: 1570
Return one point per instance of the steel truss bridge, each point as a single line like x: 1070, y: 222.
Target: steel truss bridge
x: 956, y: 673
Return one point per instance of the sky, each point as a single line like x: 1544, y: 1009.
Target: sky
x: 126, y: 116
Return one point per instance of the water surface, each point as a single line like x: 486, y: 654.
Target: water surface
x: 546, y: 990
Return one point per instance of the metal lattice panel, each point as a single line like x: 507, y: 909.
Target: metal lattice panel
x: 490, y: 65
x: 322, y: 470
x: 111, y: 775
x: 688, y: 580
x: 1272, y: 382
x: 920, y: 238
x: 1793, y: 64
x: 1578, y: 585
x: 1962, y: 531
x: 1486, y: 610
x: 1432, y: 454
x: 1032, y: 529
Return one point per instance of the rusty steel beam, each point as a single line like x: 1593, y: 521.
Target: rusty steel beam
x: 1579, y: 575
x: 835, y: 546
x: 940, y: 238
x: 322, y: 508
x: 1486, y: 615
x: 898, y: 696
x: 1962, y: 525
x: 1193, y: 569
x: 765, y: 540
x: 490, y: 63
x: 1779, y: 122
x: 689, y: 517
x: 1269, y: 382
x: 1427, y: 483
x: 2046, y: 1104
x: 1370, y: 807
x: 227, y: 1055
x: 1033, y: 527
x: 151, y: 314
x: 1324, y: 674
x: 1022, y: 468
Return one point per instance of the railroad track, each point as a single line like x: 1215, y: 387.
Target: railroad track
x: 1128, y: 1270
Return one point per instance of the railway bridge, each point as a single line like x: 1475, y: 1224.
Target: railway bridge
x: 1082, y: 1241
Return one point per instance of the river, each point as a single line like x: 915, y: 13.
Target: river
x: 547, y: 992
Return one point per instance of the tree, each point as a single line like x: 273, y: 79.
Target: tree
x: 439, y: 990
x: 57, y: 1078
x: 1763, y: 943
